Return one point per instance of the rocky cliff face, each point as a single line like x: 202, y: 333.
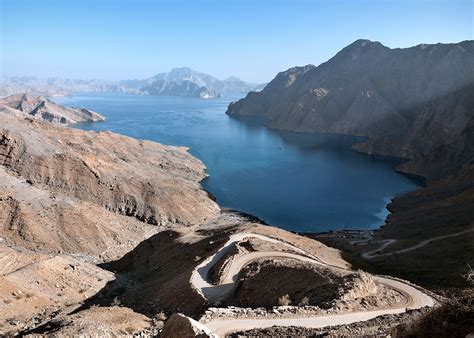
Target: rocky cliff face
x: 410, y: 102
x: 37, y: 107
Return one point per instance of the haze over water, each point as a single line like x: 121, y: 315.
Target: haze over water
x: 299, y: 182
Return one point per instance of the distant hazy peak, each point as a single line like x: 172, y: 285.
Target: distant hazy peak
x: 233, y: 79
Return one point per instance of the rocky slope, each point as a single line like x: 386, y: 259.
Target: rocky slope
x: 411, y: 102
x: 154, y: 183
x: 37, y: 107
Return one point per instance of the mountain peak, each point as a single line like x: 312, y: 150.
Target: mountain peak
x: 233, y: 79
x: 364, y: 43
x: 182, y: 69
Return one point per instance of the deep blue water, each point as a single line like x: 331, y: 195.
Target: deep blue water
x: 299, y: 182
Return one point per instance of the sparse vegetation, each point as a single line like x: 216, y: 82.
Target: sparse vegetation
x: 116, y: 302
x: 469, y: 275
x: 160, y: 316
x: 304, y: 302
x: 7, y: 301
x: 284, y: 300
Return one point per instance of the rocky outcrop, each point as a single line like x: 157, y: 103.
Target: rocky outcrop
x: 37, y: 107
x: 179, y: 326
x: 412, y: 103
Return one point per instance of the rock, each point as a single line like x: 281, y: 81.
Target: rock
x: 181, y: 326
x: 41, y: 108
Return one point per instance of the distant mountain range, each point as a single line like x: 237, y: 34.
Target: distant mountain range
x: 52, y: 86
x: 187, y: 82
x: 178, y: 82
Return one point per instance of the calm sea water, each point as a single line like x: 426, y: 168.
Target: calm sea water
x: 299, y: 182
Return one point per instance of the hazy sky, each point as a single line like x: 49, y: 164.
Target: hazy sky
x: 253, y: 40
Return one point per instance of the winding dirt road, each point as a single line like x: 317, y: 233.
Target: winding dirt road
x: 385, y: 243
x: 216, y: 293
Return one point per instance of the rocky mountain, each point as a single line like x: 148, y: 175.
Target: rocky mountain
x: 41, y: 108
x: 175, y: 88
x: 410, y: 102
x: 188, y: 82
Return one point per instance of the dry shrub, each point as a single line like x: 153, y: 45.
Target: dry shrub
x: 304, y: 302
x: 469, y: 275
x: 160, y: 316
x: 284, y: 300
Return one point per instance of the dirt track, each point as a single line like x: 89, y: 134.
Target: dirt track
x: 385, y: 243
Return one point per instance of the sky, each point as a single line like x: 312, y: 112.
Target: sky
x: 253, y: 40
